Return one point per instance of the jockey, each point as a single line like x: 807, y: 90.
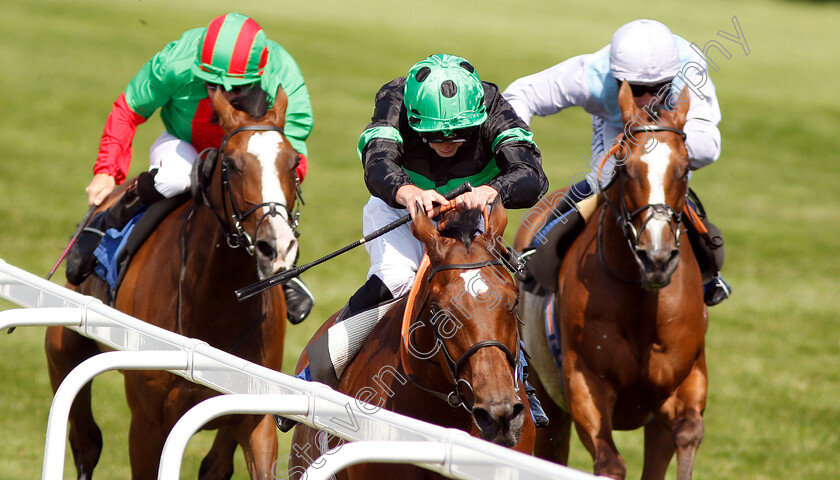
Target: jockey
x: 431, y: 131
x: 179, y: 80
x: 654, y: 62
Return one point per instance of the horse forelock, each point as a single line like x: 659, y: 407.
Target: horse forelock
x: 462, y: 226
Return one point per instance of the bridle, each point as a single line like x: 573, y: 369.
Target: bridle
x: 457, y: 397
x: 238, y: 237
x: 624, y: 217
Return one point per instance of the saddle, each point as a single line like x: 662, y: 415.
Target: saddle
x: 141, y: 229
x: 546, y: 257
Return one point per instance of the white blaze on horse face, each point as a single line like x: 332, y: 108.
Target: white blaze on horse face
x: 266, y: 146
x: 657, y: 159
x: 475, y: 285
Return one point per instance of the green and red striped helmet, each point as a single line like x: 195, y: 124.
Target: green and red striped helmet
x: 232, y: 51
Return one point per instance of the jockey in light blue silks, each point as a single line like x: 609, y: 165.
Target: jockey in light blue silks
x: 655, y: 63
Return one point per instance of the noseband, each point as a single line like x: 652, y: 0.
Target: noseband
x: 457, y: 397
x: 239, y: 237
x: 624, y: 217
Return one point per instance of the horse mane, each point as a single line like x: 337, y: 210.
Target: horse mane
x: 462, y: 226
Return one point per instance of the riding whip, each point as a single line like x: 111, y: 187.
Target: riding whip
x: 282, y: 277
x: 73, y: 239
x: 68, y: 247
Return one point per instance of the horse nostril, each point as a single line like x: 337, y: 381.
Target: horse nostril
x: 265, y: 249
x: 499, y: 413
x: 483, y: 419
x: 292, y: 245
x: 517, y: 411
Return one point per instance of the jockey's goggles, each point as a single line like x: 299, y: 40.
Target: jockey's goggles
x: 235, y: 90
x: 455, y: 136
x: 656, y: 90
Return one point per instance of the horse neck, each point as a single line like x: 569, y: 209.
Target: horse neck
x: 424, y: 341
x: 207, y: 249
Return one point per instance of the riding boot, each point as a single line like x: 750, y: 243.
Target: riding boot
x: 356, y: 320
x: 549, y: 245
x: 716, y: 290
x: 299, y: 300
x: 707, y: 243
x: 80, y: 260
x: 537, y: 412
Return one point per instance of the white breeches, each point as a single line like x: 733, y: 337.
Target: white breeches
x: 395, y: 256
x: 173, y: 158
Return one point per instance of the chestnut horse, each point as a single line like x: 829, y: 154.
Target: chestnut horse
x: 630, y: 310
x: 183, y: 279
x: 454, y: 364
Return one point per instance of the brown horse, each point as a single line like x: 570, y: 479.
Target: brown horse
x: 632, y: 320
x: 183, y: 279
x: 454, y: 364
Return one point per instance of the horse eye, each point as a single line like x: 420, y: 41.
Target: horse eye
x: 235, y: 165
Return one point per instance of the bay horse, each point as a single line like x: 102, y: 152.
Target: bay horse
x: 446, y: 353
x: 630, y: 310
x: 183, y: 279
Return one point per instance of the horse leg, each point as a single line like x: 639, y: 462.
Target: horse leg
x: 684, y: 436
x: 145, y: 445
x: 687, y: 433
x: 218, y: 464
x: 680, y: 427
x: 590, y: 404
x: 146, y: 435
x: 552, y: 442
x: 303, y: 452
x: 65, y: 350
x: 659, y: 449
x: 687, y: 427
x: 258, y: 437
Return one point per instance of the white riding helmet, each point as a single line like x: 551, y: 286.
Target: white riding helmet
x: 644, y: 52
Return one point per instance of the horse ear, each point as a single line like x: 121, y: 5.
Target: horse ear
x: 277, y: 114
x: 681, y: 113
x: 229, y: 117
x: 498, y: 219
x: 625, y: 101
x: 425, y: 230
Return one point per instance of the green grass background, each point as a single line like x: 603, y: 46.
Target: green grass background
x: 773, y: 348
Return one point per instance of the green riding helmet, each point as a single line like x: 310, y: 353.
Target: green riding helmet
x: 442, y: 94
x: 232, y: 51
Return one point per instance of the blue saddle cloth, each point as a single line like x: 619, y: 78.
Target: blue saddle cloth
x: 108, y: 252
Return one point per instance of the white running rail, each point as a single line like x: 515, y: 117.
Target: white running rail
x: 381, y: 434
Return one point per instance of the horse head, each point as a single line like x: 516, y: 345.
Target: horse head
x: 253, y: 190
x: 652, y: 183
x: 472, y: 307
